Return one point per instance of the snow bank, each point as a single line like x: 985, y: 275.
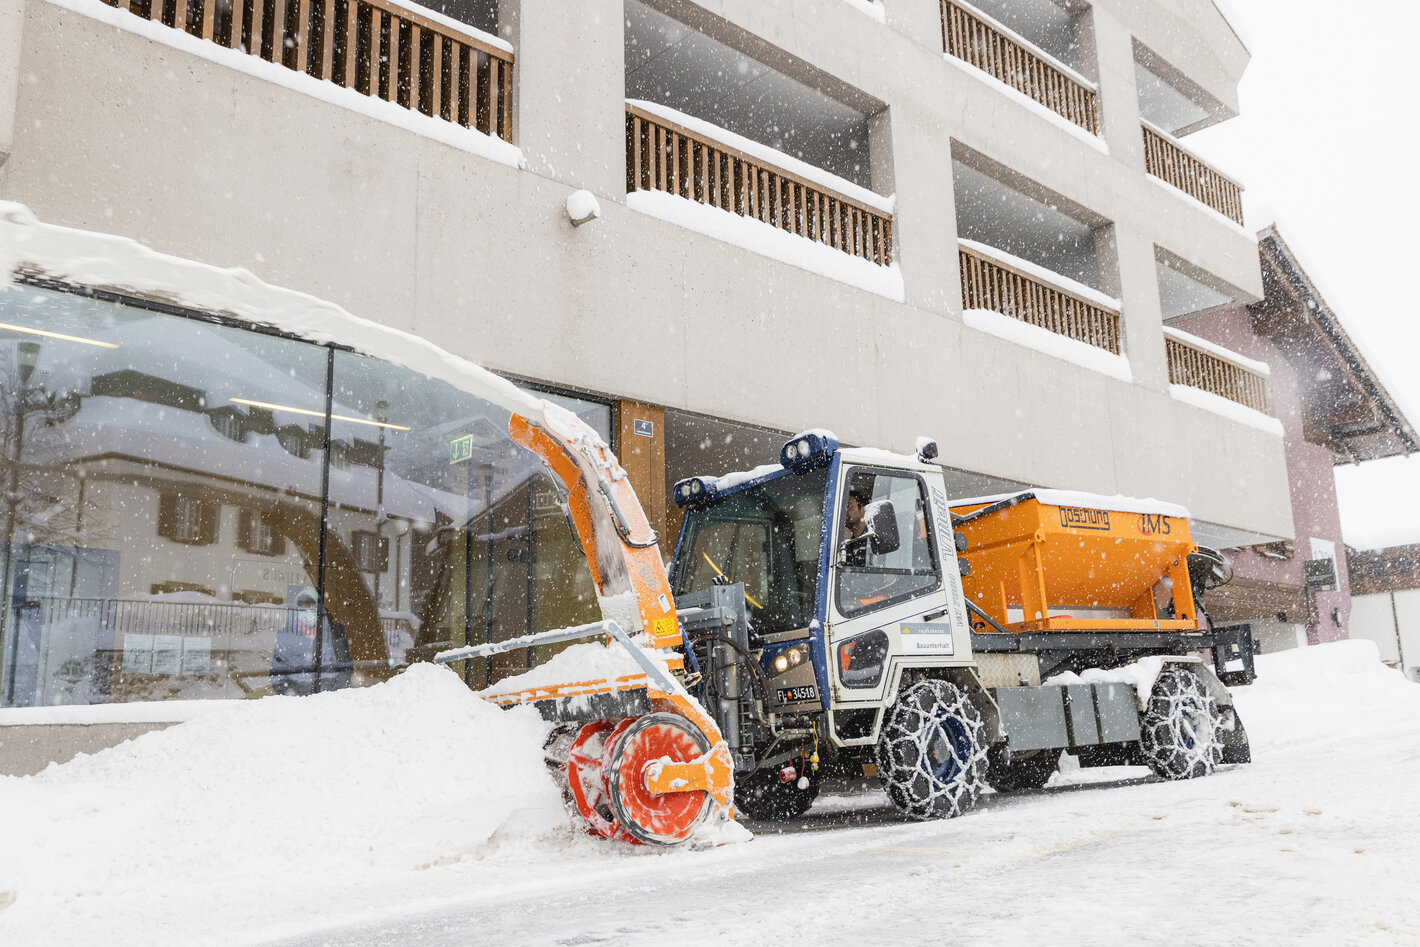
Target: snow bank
x: 249, y: 816
x: 1331, y: 692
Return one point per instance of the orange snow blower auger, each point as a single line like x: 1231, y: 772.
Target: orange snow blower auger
x: 644, y: 763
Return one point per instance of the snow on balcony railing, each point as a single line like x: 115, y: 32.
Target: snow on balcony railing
x: 1169, y: 161
x: 1200, y: 364
x: 401, y: 53
x: 1025, y: 292
x: 973, y: 37
x: 736, y: 175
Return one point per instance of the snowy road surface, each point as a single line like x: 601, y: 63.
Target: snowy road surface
x: 1316, y: 842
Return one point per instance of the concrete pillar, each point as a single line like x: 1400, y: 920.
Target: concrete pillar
x: 12, y: 25
x: 1118, y: 93
x: 1141, y: 315
x: 919, y: 19
x: 570, y: 78
x: 925, y: 216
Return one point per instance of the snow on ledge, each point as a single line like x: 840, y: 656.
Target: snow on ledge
x: 104, y: 261
x: 767, y: 240
x: 1227, y: 355
x: 768, y: 155
x: 1226, y: 407
x: 1047, y: 276
x: 146, y: 711
x: 1183, y: 195
x: 448, y: 133
x: 1117, y: 503
x: 1050, y: 343
x: 455, y: 26
x: 873, y: 8
x: 1094, y: 141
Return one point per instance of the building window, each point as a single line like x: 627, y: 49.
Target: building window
x: 255, y: 535
x: 185, y: 519
x: 370, y: 550
x: 229, y: 423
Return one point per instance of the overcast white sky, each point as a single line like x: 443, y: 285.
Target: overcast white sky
x: 1325, y: 147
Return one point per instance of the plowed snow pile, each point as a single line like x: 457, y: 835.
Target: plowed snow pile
x: 271, y: 809
x: 415, y: 803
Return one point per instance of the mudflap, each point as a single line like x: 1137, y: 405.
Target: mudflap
x: 1236, y: 748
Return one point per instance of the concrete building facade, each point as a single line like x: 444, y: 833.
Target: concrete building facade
x: 888, y: 217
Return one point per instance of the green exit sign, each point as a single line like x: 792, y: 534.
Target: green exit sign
x: 461, y: 449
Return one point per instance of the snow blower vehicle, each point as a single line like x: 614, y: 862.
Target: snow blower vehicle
x: 641, y: 759
x: 845, y: 618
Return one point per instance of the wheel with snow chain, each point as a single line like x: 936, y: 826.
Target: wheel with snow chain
x: 1179, y: 728
x: 765, y: 796
x: 1021, y: 771
x: 931, y: 755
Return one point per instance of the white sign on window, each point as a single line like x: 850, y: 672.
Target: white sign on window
x: 197, y: 655
x: 167, y: 654
x: 138, y: 654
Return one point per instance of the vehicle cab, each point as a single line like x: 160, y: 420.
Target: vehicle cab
x: 849, y: 565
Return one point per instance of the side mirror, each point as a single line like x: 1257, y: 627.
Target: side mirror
x: 882, y: 527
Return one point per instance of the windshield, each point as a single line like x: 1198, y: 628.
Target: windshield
x: 766, y: 537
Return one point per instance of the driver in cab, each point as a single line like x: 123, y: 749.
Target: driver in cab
x: 855, y: 524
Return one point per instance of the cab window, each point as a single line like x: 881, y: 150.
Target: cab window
x: 766, y: 536
x: 885, y: 548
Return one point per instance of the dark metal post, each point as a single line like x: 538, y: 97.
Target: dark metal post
x: 324, y: 516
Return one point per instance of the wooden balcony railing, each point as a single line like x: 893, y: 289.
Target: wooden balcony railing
x: 997, y: 51
x: 373, y: 46
x: 1167, y: 160
x: 664, y: 156
x: 999, y: 287
x: 1199, y: 368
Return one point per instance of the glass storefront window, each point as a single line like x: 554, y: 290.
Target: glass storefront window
x: 182, y: 519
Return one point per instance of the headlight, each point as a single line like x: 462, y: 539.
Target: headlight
x: 790, y: 658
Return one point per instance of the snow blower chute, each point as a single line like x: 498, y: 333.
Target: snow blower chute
x: 643, y: 762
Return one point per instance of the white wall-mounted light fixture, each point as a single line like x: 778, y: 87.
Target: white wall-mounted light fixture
x: 582, y: 207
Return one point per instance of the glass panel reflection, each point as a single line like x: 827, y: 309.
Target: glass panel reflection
x: 438, y: 517
x: 153, y: 526
x: 179, y: 522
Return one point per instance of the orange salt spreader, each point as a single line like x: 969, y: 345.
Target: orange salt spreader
x: 1050, y: 560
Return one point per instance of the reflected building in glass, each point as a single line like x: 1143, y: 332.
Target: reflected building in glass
x: 197, y: 509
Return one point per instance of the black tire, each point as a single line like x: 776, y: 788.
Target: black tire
x: 762, y: 796
x: 1179, y: 730
x: 1022, y: 771
x: 931, y: 754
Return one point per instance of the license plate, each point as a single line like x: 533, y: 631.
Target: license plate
x: 806, y: 692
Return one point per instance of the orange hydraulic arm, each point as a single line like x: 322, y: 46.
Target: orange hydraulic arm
x: 615, y: 534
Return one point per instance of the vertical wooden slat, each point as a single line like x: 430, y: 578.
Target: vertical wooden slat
x: 300, y: 35
x: 505, y: 88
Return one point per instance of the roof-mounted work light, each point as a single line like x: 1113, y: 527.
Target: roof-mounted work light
x: 808, y: 450
x: 694, y: 490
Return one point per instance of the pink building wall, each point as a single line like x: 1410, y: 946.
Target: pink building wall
x: 1309, y: 473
